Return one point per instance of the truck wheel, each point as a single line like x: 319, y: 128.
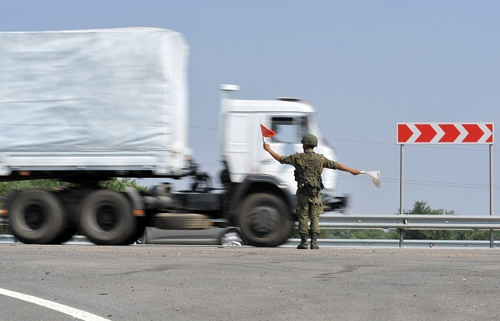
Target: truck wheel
x: 37, y: 217
x: 180, y: 221
x: 106, y: 218
x: 264, y: 220
x: 65, y: 236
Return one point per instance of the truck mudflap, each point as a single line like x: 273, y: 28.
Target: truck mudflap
x: 135, y: 201
x: 4, y: 220
x: 6, y: 200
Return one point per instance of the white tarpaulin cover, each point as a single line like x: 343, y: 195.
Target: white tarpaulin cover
x: 93, y: 90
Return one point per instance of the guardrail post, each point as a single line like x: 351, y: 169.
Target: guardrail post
x: 492, y: 232
x: 402, y: 233
x: 401, y: 190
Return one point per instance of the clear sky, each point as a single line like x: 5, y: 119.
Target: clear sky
x: 364, y: 66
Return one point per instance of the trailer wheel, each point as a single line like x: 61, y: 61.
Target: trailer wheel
x: 106, y: 218
x: 264, y: 220
x: 65, y: 236
x: 37, y: 217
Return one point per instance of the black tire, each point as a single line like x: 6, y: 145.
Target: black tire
x: 37, y: 217
x: 264, y: 220
x: 180, y: 221
x: 65, y: 236
x: 106, y: 218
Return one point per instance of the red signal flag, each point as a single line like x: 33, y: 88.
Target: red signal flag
x: 266, y: 132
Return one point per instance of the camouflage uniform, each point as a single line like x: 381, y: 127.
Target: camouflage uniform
x: 309, y: 202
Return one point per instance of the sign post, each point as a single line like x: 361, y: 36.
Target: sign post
x: 401, y: 191
x: 444, y: 133
x: 492, y: 236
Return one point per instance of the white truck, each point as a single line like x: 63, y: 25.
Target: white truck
x: 88, y: 105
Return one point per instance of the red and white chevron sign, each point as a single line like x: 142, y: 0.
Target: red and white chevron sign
x: 444, y: 133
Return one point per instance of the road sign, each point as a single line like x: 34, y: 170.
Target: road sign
x: 444, y: 133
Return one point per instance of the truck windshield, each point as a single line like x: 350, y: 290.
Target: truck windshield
x: 289, y: 129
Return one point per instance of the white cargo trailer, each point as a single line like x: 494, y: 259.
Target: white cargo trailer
x: 85, y: 106
x: 94, y: 100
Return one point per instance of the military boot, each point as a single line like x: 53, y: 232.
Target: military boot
x: 303, y: 242
x: 314, y: 241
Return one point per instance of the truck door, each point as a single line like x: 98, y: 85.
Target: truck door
x: 237, y: 149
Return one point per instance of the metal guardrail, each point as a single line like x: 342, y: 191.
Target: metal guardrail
x: 409, y: 222
x: 404, y: 222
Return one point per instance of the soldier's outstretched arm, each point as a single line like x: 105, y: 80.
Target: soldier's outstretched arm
x: 344, y: 168
x: 275, y: 155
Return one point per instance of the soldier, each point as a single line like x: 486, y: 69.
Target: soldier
x: 308, y: 168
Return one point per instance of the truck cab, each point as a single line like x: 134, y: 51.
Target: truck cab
x: 289, y: 118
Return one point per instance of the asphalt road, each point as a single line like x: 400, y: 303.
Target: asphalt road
x: 160, y: 282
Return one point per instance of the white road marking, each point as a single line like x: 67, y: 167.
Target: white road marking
x: 79, y: 314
